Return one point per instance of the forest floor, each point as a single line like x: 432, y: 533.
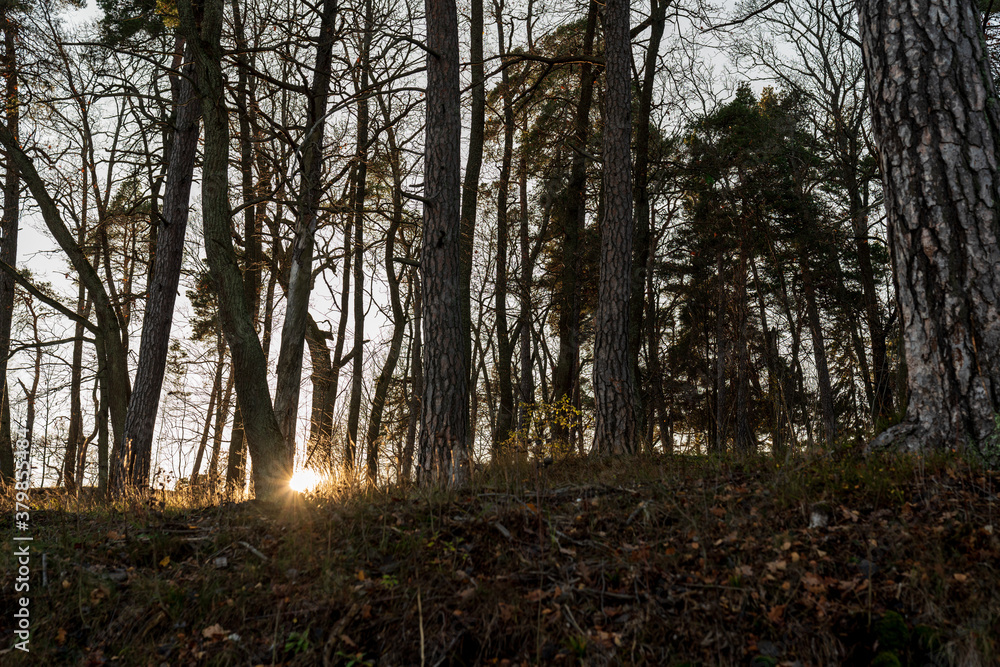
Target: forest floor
x: 658, y: 561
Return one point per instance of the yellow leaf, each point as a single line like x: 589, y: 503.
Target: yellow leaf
x: 961, y: 578
x: 165, y: 562
x: 360, y: 575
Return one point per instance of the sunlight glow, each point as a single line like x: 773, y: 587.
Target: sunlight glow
x: 304, y: 481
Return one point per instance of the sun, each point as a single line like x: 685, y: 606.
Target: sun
x: 304, y: 480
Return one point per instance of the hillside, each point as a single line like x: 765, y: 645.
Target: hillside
x: 660, y: 561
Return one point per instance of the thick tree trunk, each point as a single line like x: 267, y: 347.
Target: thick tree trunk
x: 615, y: 428
x: 444, y: 458
x: 130, y: 465
x: 264, y: 438
x: 936, y: 121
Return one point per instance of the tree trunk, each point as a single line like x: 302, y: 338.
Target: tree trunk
x: 527, y: 378
x: 213, y: 397
x: 417, y: 378
x: 642, y: 229
x: 470, y: 188
x: 819, y: 355
x: 936, y: 122
x: 113, y: 359
x: 130, y: 466
x: 398, y: 316
x: 293, y: 331
x: 221, y: 415
x: 263, y: 433
x: 319, y: 450
x: 8, y: 225
x: 360, y: 193
x: 444, y: 458
x: 572, y: 215
x: 614, y: 406
x: 505, y: 351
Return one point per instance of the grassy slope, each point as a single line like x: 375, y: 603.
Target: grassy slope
x: 652, y: 561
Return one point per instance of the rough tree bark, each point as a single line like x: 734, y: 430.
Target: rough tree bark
x: 615, y: 428
x: 131, y: 459
x: 264, y: 439
x: 936, y: 121
x: 444, y: 459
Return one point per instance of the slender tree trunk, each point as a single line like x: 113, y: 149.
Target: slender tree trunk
x: 721, y: 362
x: 293, y: 332
x: 614, y: 405
x: 505, y: 351
x: 881, y: 403
x: 653, y: 336
x: 746, y: 436
x: 470, y: 188
x: 360, y: 193
x: 6, y: 455
x: 221, y: 415
x: 213, y: 397
x: 527, y: 379
x: 416, y: 376
x: 338, y: 345
x: 641, y: 251
x: 398, y: 316
x: 572, y: 215
x: 936, y: 121
x: 130, y: 468
x: 74, y: 436
x: 8, y: 226
x: 444, y: 458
